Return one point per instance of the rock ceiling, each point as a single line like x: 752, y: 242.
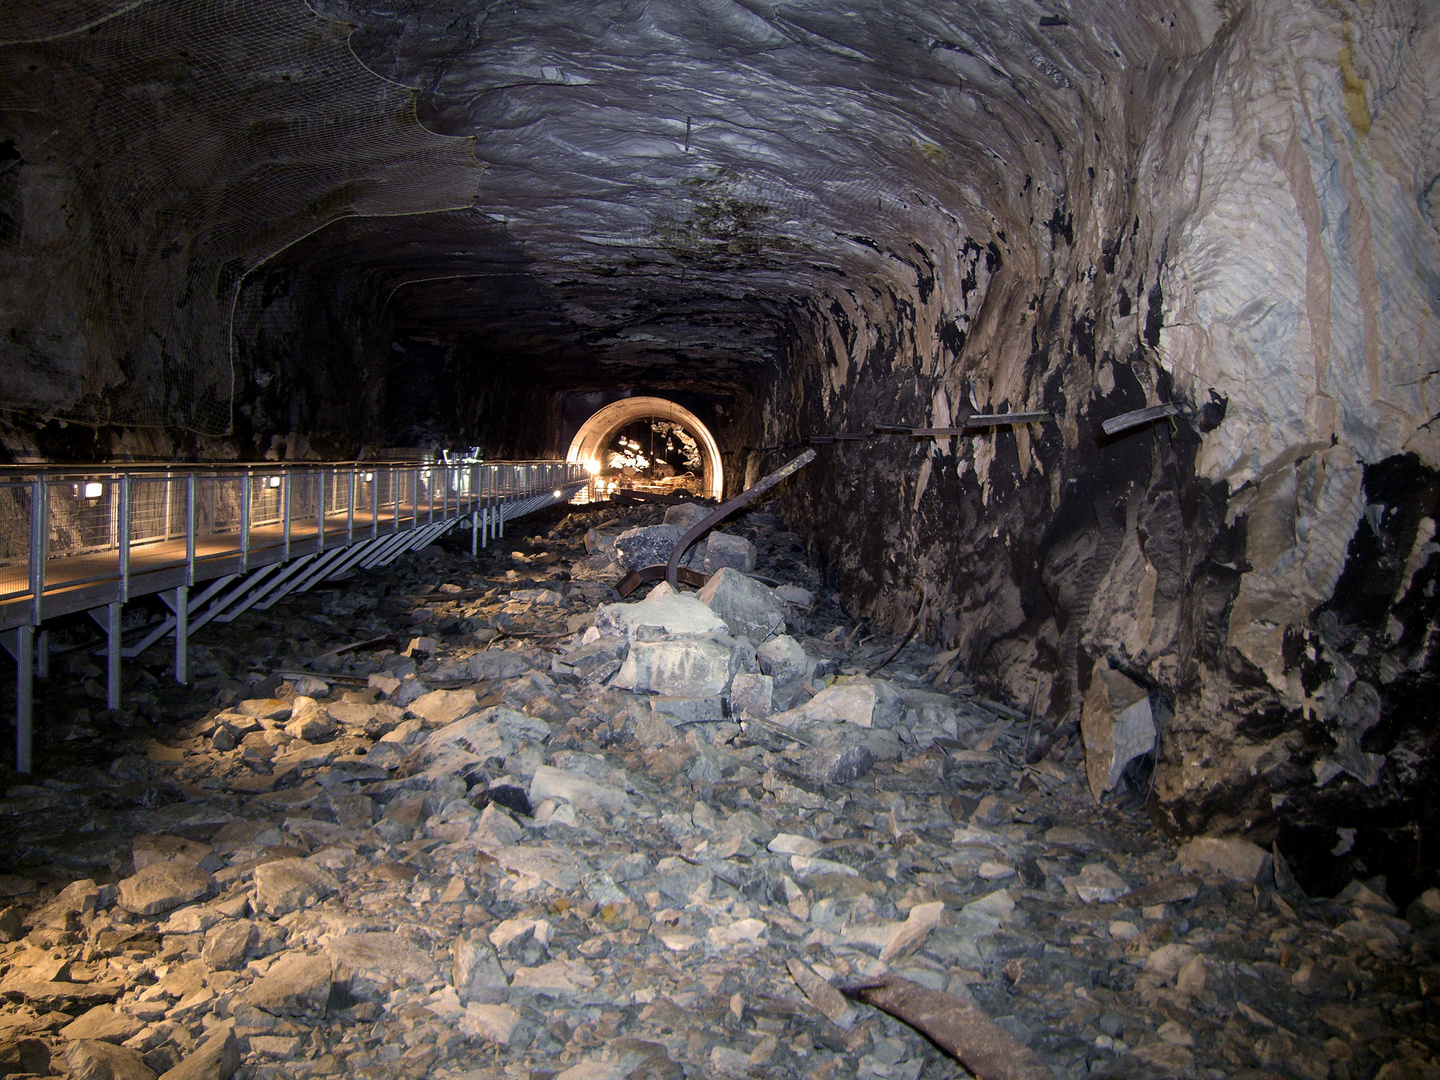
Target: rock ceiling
x: 677, y: 177
x: 653, y: 183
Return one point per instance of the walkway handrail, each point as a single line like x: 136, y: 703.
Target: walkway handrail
x: 63, y: 527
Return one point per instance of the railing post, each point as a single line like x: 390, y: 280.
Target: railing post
x: 189, y: 529
x: 395, y: 493
x: 415, y: 498
x: 320, y: 501
x: 247, y: 484
x: 123, y: 528
x: 285, y: 513
x: 39, y: 535
x: 374, y: 505
x: 350, y: 510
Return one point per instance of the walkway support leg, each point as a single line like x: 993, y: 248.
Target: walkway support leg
x: 42, y: 654
x: 112, y: 668
x: 20, y: 643
x: 182, y: 633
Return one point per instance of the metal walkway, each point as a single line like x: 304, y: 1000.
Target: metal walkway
x: 74, y: 539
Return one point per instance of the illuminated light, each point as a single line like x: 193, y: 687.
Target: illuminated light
x: 94, y: 489
x: 272, y: 481
x: 367, y: 478
x: 557, y: 494
x: 592, y: 467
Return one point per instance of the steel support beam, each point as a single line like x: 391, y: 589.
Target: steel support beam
x: 111, y: 625
x: 388, y: 543
x: 220, y: 606
x: 181, y: 606
x: 265, y: 590
x: 168, y: 623
x: 19, y: 643
x: 317, y: 565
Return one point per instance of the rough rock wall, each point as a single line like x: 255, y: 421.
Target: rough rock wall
x: 1254, y: 229
x: 151, y: 155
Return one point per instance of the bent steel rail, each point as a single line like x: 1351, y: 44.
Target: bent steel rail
x: 77, y: 539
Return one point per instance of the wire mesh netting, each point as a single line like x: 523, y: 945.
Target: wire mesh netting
x: 152, y: 153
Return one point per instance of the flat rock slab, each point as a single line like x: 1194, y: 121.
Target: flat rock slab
x: 148, y: 850
x: 1237, y: 859
x: 858, y: 700
x: 296, y: 984
x: 163, y: 886
x: 444, y: 706
x: 216, y: 1058
x: 228, y: 945
x: 558, y: 977
x: 265, y: 709
x: 669, y: 614
x: 103, y: 1023
x: 496, y: 664
x: 57, y: 995
x: 375, y: 964
x: 491, y: 1023
x: 88, y: 1059
x: 584, y: 791
x: 287, y: 885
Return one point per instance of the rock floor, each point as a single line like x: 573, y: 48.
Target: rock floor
x: 474, y: 819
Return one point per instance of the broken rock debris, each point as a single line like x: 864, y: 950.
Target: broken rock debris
x: 568, y: 837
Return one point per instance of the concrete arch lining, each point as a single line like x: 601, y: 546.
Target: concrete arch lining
x: 589, y: 442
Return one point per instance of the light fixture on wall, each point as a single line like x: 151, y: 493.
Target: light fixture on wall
x: 367, y: 478
x: 94, y: 489
x: 272, y: 481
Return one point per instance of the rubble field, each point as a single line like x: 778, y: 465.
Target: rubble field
x: 482, y: 819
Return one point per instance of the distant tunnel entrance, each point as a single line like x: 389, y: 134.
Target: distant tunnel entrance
x: 649, y: 442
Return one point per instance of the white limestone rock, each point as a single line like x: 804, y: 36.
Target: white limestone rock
x: 688, y: 667
x: 667, y: 614
x: 723, y: 550
x: 749, y: 608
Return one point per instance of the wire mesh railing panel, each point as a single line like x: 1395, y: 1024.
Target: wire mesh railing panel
x: 304, y: 505
x: 218, y: 506
x: 15, y: 538
x: 267, y: 500
x: 81, y: 516
x: 150, y: 510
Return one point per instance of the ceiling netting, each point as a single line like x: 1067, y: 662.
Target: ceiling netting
x: 158, y: 152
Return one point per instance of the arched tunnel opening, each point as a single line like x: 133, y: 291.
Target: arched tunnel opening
x: 378, y: 346
x: 649, y: 442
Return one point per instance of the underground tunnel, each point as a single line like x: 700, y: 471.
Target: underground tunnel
x: 415, y: 666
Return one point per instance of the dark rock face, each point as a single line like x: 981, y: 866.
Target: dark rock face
x: 821, y: 220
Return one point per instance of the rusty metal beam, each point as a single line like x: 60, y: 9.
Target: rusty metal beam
x: 700, y: 528
x: 1126, y: 421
